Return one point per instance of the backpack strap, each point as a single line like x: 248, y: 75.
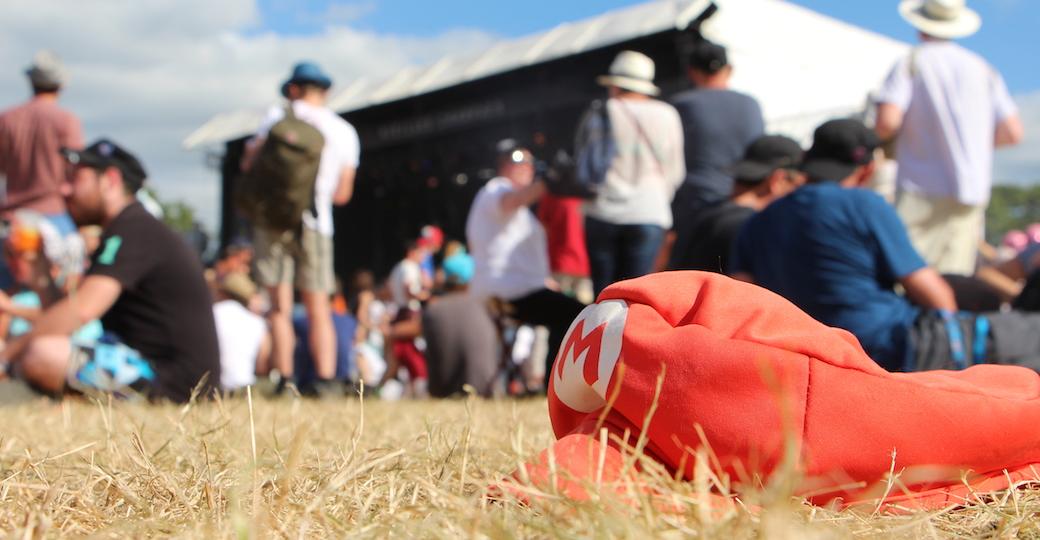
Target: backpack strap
x: 642, y: 135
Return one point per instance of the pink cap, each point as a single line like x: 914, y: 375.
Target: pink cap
x: 1016, y: 240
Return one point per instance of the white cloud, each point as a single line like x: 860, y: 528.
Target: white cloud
x: 1021, y: 164
x: 148, y: 73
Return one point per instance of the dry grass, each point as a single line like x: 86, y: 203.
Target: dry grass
x: 290, y: 468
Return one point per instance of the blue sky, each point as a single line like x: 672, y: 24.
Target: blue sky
x: 1008, y: 38
x: 174, y: 64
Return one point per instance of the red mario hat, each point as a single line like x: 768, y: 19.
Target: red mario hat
x: 743, y: 370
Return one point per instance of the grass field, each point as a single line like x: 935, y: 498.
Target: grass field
x: 297, y: 468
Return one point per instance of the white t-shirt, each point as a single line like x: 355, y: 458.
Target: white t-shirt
x: 342, y: 150
x: 406, y: 283
x: 649, y: 166
x: 510, y: 254
x: 240, y: 333
x: 952, y: 102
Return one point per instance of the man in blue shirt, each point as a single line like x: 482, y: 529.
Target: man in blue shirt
x: 837, y: 251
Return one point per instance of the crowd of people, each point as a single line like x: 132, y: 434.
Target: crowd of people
x: 100, y: 296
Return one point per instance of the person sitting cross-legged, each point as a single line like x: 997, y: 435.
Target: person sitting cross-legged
x: 144, y: 283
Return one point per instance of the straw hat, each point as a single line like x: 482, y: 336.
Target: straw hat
x: 631, y: 71
x: 944, y: 19
x: 47, y: 71
x: 238, y: 286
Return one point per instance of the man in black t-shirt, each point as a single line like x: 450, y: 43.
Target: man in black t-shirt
x: 718, y: 125
x: 144, y: 283
x: 768, y: 171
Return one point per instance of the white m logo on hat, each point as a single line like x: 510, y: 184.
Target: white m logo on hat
x: 588, y: 355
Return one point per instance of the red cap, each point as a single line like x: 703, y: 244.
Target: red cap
x: 431, y: 236
x: 700, y: 358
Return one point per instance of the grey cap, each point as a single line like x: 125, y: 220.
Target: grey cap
x: 47, y: 71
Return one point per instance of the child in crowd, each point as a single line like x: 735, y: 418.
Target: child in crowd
x: 409, y: 287
x: 243, y: 336
x: 372, y: 324
x: 46, y: 267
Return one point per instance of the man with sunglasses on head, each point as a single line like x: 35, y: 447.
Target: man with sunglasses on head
x: 510, y: 252
x: 144, y: 283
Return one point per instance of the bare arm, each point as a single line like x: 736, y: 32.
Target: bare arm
x: 252, y: 149
x: 95, y: 296
x: 345, y: 188
x: 928, y: 289
x: 10, y: 309
x: 889, y: 121
x: 1003, y: 278
x: 526, y: 196
x: 1009, y: 131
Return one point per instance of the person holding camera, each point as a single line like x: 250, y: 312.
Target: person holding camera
x: 510, y: 254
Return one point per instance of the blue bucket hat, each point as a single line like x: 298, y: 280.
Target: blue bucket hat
x: 307, y: 72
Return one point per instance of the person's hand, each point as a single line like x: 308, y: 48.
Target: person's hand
x: 5, y: 303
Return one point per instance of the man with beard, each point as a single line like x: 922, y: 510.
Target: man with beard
x: 145, y: 285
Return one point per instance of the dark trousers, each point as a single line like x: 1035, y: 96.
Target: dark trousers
x: 966, y: 339
x: 618, y: 252
x: 553, y: 310
x: 689, y: 201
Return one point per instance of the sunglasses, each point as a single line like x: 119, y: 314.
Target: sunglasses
x: 519, y: 156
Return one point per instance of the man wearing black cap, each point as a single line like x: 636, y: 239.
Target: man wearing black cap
x: 718, y: 125
x: 306, y: 263
x: 768, y: 171
x: 145, y: 285
x: 836, y: 251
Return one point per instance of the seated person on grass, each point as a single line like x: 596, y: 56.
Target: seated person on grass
x: 46, y: 266
x: 836, y: 251
x: 1009, y: 278
x: 144, y: 283
x: 768, y: 171
x: 243, y: 335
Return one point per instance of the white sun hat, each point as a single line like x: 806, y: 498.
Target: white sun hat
x: 631, y: 71
x: 944, y: 19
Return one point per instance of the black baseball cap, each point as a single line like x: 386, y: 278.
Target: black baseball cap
x: 708, y: 57
x: 765, y: 155
x: 839, y: 147
x: 103, y: 154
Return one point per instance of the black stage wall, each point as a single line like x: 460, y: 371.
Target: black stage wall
x: 424, y: 158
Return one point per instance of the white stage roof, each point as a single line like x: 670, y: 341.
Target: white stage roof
x: 803, y: 67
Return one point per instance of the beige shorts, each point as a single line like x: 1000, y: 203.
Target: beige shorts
x: 279, y: 260
x: 944, y: 231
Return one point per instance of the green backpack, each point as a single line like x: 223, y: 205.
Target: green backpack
x: 279, y: 187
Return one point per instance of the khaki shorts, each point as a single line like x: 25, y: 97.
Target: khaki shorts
x: 278, y: 260
x: 944, y: 231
